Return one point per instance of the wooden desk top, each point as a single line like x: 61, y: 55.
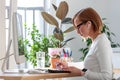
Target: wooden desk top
x: 117, y: 70
x: 26, y: 76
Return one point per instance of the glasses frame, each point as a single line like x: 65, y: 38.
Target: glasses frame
x: 79, y: 25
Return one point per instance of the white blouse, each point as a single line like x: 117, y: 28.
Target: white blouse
x: 99, y: 59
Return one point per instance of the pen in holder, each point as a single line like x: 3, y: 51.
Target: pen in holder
x: 67, y: 55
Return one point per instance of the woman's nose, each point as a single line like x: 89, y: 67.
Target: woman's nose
x: 78, y: 32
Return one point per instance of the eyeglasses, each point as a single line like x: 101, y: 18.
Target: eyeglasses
x: 79, y: 25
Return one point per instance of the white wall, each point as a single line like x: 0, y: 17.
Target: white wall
x: 106, y: 9
x: 114, y: 18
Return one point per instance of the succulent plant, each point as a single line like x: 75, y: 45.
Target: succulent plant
x: 58, y: 21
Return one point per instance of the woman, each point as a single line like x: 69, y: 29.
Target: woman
x: 98, y: 62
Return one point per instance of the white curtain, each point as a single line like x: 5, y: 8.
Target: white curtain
x: 2, y: 30
x: 13, y: 9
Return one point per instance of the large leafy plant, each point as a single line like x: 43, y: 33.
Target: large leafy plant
x: 36, y: 43
x: 109, y: 34
x: 58, y: 21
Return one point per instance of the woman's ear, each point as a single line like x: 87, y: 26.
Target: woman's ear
x: 89, y: 25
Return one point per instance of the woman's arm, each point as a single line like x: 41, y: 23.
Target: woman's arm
x: 103, y: 53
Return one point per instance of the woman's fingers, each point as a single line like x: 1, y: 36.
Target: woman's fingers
x: 62, y: 64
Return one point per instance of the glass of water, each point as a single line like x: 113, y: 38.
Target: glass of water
x: 40, y: 59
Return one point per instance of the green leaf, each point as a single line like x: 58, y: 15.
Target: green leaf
x: 67, y: 21
x: 108, y: 33
x: 112, y: 33
x: 89, y: 42
x: 104, y: 18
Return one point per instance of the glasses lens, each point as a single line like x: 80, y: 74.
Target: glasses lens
x: 78, y: 26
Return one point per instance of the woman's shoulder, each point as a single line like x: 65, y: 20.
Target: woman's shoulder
x: 102, y: 38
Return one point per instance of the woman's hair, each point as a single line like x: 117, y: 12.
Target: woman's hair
x: 89, y: 14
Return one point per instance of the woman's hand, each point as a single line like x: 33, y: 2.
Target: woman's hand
x: 61, y: 65
x: 74, y: 70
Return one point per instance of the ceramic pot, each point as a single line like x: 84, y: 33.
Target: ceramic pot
x: 53, y: 62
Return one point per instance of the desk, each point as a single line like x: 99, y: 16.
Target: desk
x: 117, y: 70
x: 42, y: 76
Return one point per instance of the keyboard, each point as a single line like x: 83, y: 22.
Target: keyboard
x: 57, y: 71
x: 38, y: 71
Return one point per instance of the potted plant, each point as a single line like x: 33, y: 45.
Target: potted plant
x: 109, y: 34
x: 58, y: 34
x: 36, y: 43
x: 58, y: 21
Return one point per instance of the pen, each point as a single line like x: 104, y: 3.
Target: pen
x: 65, y: 55
x: 70, y: 53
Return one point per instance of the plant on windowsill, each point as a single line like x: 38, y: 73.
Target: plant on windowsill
x: 21, y: 45
x: 58, y: 22
x: 109, y: 34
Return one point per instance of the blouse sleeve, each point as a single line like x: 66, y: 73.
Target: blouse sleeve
x: 104, y: 57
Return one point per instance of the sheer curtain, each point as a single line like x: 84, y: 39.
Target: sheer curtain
x: 7, y: 8
x: 11, y: 7
x: 2, y: 29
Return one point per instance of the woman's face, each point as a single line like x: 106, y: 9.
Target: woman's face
x: 82, y: 27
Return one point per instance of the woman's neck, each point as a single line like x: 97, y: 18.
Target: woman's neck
x: 94, y: 35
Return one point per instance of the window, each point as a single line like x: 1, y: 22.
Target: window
x: 31, y: 14
x: 30, y: 11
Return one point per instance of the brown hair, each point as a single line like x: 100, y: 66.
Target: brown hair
x: 89, y: 14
